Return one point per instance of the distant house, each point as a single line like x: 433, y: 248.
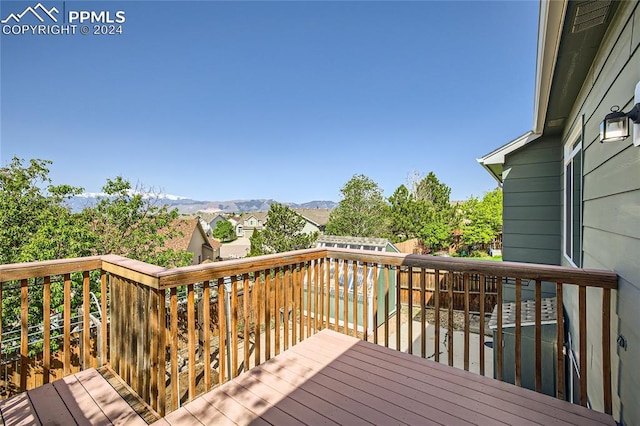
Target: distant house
x: 193, y: 238
x: 250, y: 222
x: 316, y: 219
x: 569, y: 199
x: 217, y: 218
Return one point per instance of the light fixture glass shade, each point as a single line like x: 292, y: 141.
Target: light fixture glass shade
x: 614, y: 128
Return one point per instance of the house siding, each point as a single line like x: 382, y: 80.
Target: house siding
x: 611, y: 213
x: 532, y: 203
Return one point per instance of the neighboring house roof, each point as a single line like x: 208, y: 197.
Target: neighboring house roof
x: 318, y: 217
x: 494, y: 160
x: 259, y: 216
x: 355, y: 242
x: 214, y: 243
x: 185, y: 229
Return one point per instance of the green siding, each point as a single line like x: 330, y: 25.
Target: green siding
x: 611, y: 213
x: 532, y: 203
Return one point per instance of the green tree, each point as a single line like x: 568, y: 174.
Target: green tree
x: 424, y: 212
x: 406, y: 215
x: 362, y: 211
x: 224, y: 231
x: 439, y: 218
x: 31, y: 208
x: 282, y: 232
x: 482, y: 219
x: 131, y: 223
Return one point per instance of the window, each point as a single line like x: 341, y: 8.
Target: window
x: 573, y: 199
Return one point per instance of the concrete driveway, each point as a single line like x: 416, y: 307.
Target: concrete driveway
x: 236, y: 249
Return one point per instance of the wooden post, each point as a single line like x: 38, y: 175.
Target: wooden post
x: 518, y: 330
x: 206, y: 331
x: 538, y: 336
x: 24, y: 333
x: 482, y: 314
x: 436, y: 305
x: 46, y: 315
x: 465, y: 279
x: 606, y: 349
x: 582, y: 313
x: 559, y: 342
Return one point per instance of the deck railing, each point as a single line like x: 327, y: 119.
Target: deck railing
x: 171, y: 335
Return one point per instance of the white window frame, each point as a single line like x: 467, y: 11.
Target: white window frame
x: 570, y: 152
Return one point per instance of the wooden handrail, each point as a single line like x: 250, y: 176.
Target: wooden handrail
x: 296, y: 294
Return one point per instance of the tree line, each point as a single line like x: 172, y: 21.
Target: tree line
x: 421, y: 210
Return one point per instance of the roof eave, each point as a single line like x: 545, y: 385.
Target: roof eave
x: 550, y: 23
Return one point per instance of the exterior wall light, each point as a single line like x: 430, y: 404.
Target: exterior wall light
x: 615, y: 126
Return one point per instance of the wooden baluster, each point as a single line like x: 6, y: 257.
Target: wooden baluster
x: 498, y: 346
x: 234, y: 327
x: 322, y: 285
x: 175, y: 378
x: 276, y: 311
x: 286, y: 287
x: 354, y: 265
x: 582, y: 313
x: 365, y: 301
x: 191, y: 337
x: 206, y: 333
x: 46, y: 316
x: 135, y: 332
x: 143, y: 332
x: 538, y: 336
x: 518, y: 379
x: 410, y: 320
x: 162, y: 352
x: 154, y: 346
x: 24, y: 333
x: 606, y: 349
x: 423, y: 316
x: 345, y: 297
x: 375, y: 290
x: 222, y: 333
x: 310, y: 286
x: 317, y: 295
x: 257, y: 303
x: 450, y: 328
x: 66, y: 345
x: 3, y: 387
x: 246, y: 330
x: 436, y: 311
x: 103, y: 319
x: 398, y: 308
x: 115, y: 310
x: 326, y: 264
x: 336, y: 295
x: 559, y: 342
x: 86, y: 324
x: 267, y: 314
x: 482, y: 314
x: 387, y: 278
x: 294, y: 304
x: 465, y: 279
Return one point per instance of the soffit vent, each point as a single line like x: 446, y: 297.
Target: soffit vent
x: 590, y: 14
x: 555, y: 122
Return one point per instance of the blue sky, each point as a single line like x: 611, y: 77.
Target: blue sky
x: 287, y: 100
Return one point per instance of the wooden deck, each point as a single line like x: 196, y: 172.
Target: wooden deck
x: 85, y: 398
x: 331, y: 378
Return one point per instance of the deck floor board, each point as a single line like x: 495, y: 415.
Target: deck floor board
x: 327, y: 379
x: 331, y: 378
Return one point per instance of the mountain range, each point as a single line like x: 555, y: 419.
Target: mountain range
x: 187, y: 205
